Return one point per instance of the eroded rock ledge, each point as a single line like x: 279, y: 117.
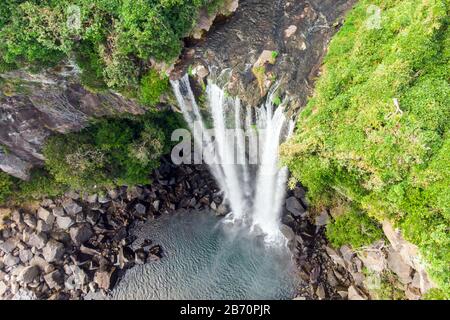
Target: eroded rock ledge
x: 33, y: 106
x: 296, y: 33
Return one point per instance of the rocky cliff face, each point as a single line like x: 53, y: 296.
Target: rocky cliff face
x: 33, y: 106
x: 269, y: 40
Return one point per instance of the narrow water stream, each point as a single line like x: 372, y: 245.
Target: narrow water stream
x: 205, y: 259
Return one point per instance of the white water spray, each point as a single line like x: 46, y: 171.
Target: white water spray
x: 244, y: 163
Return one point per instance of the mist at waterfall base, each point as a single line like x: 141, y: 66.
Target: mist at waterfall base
x: 245, y: 165
x: 206, y: 259
x: 241, y: 256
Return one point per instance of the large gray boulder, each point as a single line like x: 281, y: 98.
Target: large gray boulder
x: 81, y: 233
x: 29, y: 274
x: 53, y: 251
x: 294, y: 207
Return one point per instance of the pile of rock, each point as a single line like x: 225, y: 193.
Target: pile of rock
x: 337, y: 273
x: 320, y: 278
x: 77, y: 244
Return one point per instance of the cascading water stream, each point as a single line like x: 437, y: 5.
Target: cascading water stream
x: 241, y: 150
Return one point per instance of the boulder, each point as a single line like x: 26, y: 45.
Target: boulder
x: 54, y: 279
x: 41, y: 263
x: 30, y: 220
x: 81, y: 233
x: 8, y: 246
x: 337, y: 259
x: 71, y: 207
x: 397, y: 265
x: 10, y: 261
x: 65, y: 222
x: 294, y: 207
x: 46, y: 216
x: 53, y: 251
x: 347, y: 254
x: 287, y: 232
x: 3, y: 288
x: 322, y: 219
x: 43, y: 227
x: 58, y: 212
x: 140, y: 209
x: 374, y: 260
x: 16, y: 216
x: 355, y: 294
x: 92, y: 198
x: 25, y: 255
x: 104, y: 278
x: 37, y: 240
x: 29, y: 274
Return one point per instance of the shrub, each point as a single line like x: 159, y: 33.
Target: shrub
x: 6, y: 186
x: 152, y: 87
x: 376, y: 131
x: 113, y: 45
x: 354, y: 228
x: 110, y: 151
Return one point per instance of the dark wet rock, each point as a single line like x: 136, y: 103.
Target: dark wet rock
x: 81, y: 233
x: 298, y: 31
x: 294, y: 207
x: 287, y: 232
x: 92, y: 217
x: 140, y: 256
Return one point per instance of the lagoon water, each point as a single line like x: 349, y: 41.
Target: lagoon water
x: 207, y: 259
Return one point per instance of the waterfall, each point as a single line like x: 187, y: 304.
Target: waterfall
x: 241, y: 150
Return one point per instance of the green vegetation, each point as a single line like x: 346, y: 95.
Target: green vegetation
x: 110, y: 152
x: 113, y: 42
x: 6, y: 186
x: 274, y: 56
x: 118, y: 151
x: 384, y: 286
x: 276, y: 100
x: 376, y: 133
x: 152, y: 87
x: 354, y: 228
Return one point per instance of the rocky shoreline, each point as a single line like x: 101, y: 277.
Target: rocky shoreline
x: 80, y: 245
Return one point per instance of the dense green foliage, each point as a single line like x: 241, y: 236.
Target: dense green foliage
x: 354, y: 228
x: 113, y: 41
x: 152, y: 87
x: 111, y: 151
x: 376, y: 133
x: 6, y: 186
x: 117, y: 151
